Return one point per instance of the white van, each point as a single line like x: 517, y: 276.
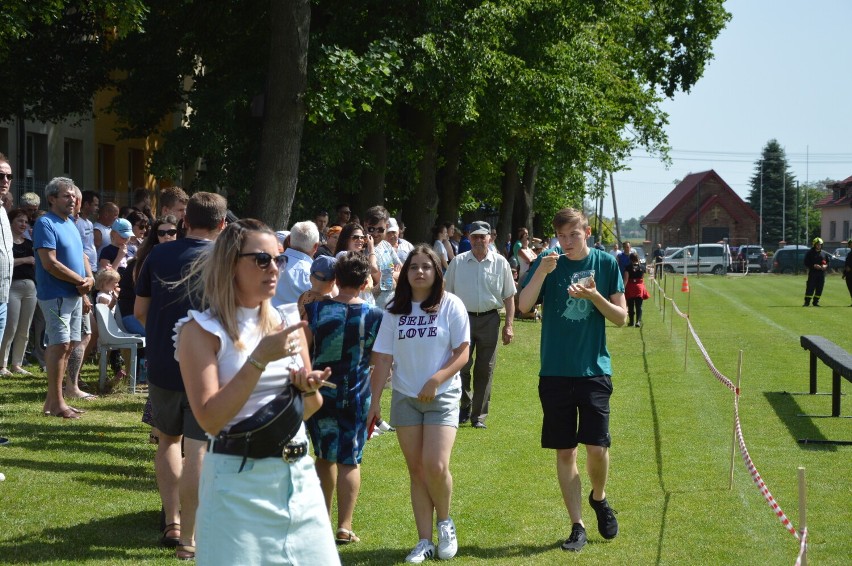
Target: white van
x: 701, y: 258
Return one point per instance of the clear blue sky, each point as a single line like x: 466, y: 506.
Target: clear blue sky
x: 781, y: 69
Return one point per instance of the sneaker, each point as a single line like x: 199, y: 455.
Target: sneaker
x: 384, y: 426
x: 607, y: 525
x: 479, y: 425
x: 577, y: 540
x: 3, y: 441
x: 638, y: 324
x: 424, y: 549
x: 448, y: 544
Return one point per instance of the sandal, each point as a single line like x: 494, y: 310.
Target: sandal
x: 185, y: 552
x: 173, y: 540
x: 345, y: 536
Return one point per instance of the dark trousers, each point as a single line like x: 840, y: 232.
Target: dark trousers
x: 484, y: 332
x: 634, y: 306
x: 813, y: 290
x: 849, y: 284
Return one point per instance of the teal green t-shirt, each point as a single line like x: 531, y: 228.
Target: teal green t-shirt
x: 573, y: 331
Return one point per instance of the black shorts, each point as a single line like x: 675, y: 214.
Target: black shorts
x: 576, y: 411
x: 171, y: 414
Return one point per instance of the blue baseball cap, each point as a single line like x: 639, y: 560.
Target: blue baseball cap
x: 323, y: 268
x: 123, y: 228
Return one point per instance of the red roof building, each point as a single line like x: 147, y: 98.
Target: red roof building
x: 701, y: 209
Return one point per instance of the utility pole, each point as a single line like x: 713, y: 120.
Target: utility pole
x: 761, y: 204
x: 615, y: 209
x: 798, y: 231
x: 784, y: 205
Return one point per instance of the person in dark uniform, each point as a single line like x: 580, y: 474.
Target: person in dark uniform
x: 847, y: 269
x: 816, y: 262
x: 634, y: 289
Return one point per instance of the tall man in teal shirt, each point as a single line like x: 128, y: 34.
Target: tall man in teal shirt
x: 580, y: 288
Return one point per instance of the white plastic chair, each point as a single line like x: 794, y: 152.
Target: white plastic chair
x: 110, y: 337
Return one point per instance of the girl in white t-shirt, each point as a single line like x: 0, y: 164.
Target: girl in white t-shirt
x: 106, y: 283
x: 424, y: 337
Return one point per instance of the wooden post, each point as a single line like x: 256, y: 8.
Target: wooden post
x: 686, y: 342
x: 803, y: 511
x: 734, y: 434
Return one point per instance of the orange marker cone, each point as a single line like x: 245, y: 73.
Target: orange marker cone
x: 684, y: 287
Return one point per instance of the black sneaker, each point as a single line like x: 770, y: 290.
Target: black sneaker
x: 3, y: 441
x: 607, y: 525
x: 577, y: 540
x: 464, y: 415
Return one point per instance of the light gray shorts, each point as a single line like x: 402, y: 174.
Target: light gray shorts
x: 63, y: 319
x: 443, y: 410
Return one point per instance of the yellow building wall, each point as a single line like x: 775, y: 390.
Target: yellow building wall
x: 121, y: 165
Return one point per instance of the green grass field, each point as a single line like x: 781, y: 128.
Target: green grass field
x: 83, y: 492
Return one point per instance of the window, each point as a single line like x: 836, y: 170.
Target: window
x: 845, y: 229
x: 832, y: 230
x: 72, y: 163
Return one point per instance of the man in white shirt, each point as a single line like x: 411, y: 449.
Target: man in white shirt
x: 294, y: 277
x: 88, y: 210
x: 108, y: 215
x: 483, y: 280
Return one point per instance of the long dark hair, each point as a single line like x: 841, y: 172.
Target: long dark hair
x: 346, y: 235
x: 401, y: 302
x: 151, y: 241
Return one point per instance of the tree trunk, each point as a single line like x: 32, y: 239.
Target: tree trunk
x: 523, y: 213
x: 449, y: 180
x: 284, y: 113
x: 373, y: 178
x: 511, y: 186
x: 420, y: 208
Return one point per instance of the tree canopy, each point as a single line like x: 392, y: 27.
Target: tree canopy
x: 437, y: 109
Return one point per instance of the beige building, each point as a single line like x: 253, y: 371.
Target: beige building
x: 88, y: 151
x: 836, y: 210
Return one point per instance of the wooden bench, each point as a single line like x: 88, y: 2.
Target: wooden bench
x: 836, y: 358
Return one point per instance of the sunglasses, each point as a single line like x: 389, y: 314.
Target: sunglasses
x: 375, y: 230
x: 263, y: 260
x: 359, y: 237
x: 142, y: 226
x: 7, y: 176
x: 164, y: 233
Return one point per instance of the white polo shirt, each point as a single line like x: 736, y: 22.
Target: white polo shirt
x: 481, y: 285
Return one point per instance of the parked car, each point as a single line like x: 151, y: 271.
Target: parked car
x: 701, y: 258
x: 789, y: 259
x: 670, y: 250
x: 750, y: 257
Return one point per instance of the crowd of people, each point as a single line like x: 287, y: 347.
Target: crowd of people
x: 262, y: 343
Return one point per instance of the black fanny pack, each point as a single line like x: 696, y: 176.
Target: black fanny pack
x: 267, y: 432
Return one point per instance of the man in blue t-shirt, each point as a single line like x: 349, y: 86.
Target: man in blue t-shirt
x: 63, y: 280
x: 159, y: 306
x: 580, y: 289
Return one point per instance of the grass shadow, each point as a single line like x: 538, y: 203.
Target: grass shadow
x: 84, y: 542
x: 658, y: 453
x: 381, y: 556
x: 787, y: 409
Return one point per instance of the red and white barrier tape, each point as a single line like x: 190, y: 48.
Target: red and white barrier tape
x: 802, y: 546
x: 755, y: 475
x: 758, y: 480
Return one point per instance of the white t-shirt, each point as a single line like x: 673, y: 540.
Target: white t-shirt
x: 421, y: 343
x: 439, y: 248
x: 231, y: 360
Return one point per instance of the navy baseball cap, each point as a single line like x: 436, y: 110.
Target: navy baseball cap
x: 323, y: 268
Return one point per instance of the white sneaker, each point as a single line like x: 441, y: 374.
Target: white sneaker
x: 448, y: 544
x: 424, y: 549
